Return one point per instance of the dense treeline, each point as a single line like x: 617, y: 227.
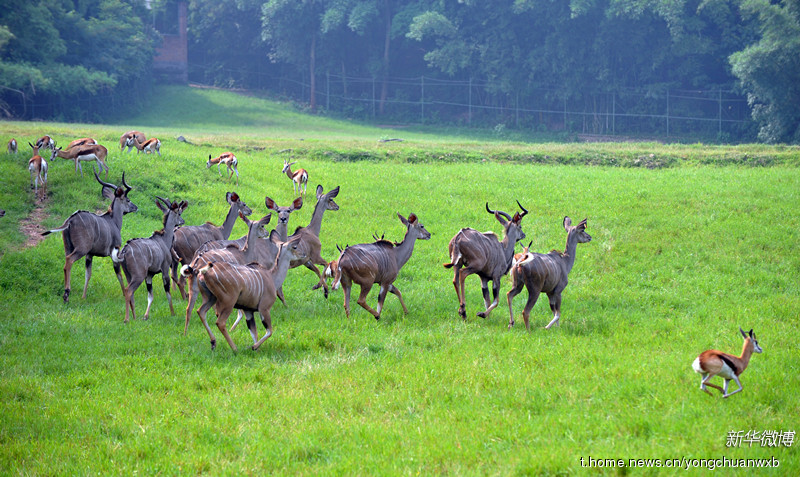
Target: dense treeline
x: 606, y: 59
x: 84, y: 60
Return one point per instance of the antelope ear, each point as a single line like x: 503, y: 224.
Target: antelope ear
x: 412, y: 218
x: 751, y: 333
x: 319, y: 191
x: 298, y: 203
x: 183, y: 206
x: 567, y: 222
x: 229, y: 198
x: 402, y: 219
x: 744, y: 335
x: 271, y: 205
x: 582, y: 224
x: 264, y: 220
x: 517, y: 218
x: 334, y: 192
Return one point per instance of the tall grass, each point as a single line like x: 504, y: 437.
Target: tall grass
x: 681, y: 257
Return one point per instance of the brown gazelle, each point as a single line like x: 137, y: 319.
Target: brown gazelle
x: 37, y: 166
x: 483, y: 253
x: 148, y: 146
x: 126, y: 140
x: 143, y: 258
x: 12, y: 146
x: 84, y: 141
x: 378, y: 262
x: 45, y: 142
x: 188, y: 239
x: 227, y: 159
x: 547, y: 273
x: 711, y: 363
x: 87, y: 153
x: 249, y: 288
x: 298, y: 177
x: 91, y: 235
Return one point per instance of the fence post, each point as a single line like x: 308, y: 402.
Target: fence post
x: 469, y: 114
x: 328, y: 91
x: 373, y: 97
x: 667, y: 113
x: 614, y: 113
x: 422, y: 98
x: 719, y: 113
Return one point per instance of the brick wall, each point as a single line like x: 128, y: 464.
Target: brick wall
x: 171, y: 63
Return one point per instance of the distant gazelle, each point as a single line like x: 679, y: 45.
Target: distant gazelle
x: 12, y: 146
x: 126, y: 140
x: 227, y: 159
x: 298, y: 177
x: 729, y: 367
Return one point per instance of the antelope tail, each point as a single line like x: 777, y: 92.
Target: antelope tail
x: 187, y: 270
x: 52, y: 231
x: 116, y: 256
x: 454, y: 260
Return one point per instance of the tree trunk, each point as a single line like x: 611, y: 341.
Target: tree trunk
x: 387, y: 15
x: 311, y: 68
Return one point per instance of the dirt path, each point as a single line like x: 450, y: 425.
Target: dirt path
x: 31, y: 226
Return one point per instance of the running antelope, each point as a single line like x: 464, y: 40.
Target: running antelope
x: 298, y: 177
x: 249, y: 288
x: 84, y: 141
x: 86, y: 153
x: 484, y: 254
x: 91, y: 235
x: 378, y: 262
x: 254, y: 248
x: 309, y: 248
x: 282, y: 228
x: 251, y: 248
x: 729, y: 367
x: 37, y: 166
x: 188, y: 239
x: 540, y: 272
x: 148, y: 146
x: 227, y: 159
x: 45, y: 142
x: 12, y: 146
x: 127, y: 140
x: 143, y: 258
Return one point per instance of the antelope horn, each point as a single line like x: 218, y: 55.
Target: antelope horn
x: 105, y: 184
x: 524, y: 211
x: 125, y: 184
x: 508, y: 217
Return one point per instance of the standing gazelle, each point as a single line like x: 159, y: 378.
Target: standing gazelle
x: 298, y: 177
x: 150, y: 145
x: 484, y: 254
x: 379, y: 262
x: 227, y: 159
x: 85, y: 153
x: 37, y: 166
x: 547, y: 273
x: 729, y: 367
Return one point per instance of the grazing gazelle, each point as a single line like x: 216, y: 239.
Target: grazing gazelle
x: 91, y: 235
x: 86, y: 153
x: 483, y: 253
x: 37, y: 166
x: 143, y: 258
x: 227, y: 159
x: 148, y: 146
x: 298, y: 177
x: 711, y: 363
x: 540, y: 272
x: 84, y: 141
x: 44, y: 142
x: 127, y: 140
x: 12, y: 146
x: 379, y: 262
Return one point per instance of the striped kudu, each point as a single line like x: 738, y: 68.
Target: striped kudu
x: 254, y: 248
x: 91, y: 235
x: 483, y: 253
x: 143, y: 258
x: 282, y: 227
x: 249, y: 288
x: 309, y: 249
x: 378, y: 262
x: 250, y: 248
x: 540, y: 272
x: 188, y: 239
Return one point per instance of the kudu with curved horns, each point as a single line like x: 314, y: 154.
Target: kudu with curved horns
x: 483, y: 253
x: 91, y: 235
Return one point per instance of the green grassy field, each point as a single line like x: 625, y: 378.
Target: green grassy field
x: 688, y: 245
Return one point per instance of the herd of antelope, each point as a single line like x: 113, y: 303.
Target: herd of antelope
x: 248, y: 273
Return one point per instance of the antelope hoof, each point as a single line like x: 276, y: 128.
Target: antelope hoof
x: 66, y: 295
x: 213, y: 345
x: 482, y: 314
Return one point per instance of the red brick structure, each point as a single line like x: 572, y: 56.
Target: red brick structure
x: 171, y: 63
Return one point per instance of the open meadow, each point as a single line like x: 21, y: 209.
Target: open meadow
x: 689, y: 243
